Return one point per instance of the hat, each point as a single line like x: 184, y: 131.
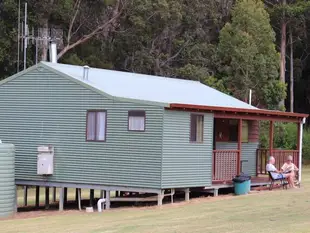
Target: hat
x: 290, y: 158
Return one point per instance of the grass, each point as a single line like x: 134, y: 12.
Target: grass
x: 267, y: 211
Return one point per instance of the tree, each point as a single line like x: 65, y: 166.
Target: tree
x: 248, y: 54
x: 97, y: 17
x: 44, y: 9
x: 176, y: 38
x: 8, y: 38
x: 80, y: 20
x: 166, y: 37
x: 288, y: 13
x: 201, y: 74
x: 283, y: 47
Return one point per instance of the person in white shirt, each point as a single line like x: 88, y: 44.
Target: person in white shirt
x: 277, y: 174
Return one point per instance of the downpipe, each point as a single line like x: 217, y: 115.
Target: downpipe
x: 99, y: 204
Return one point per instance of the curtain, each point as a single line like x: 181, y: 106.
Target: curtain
x: 193, y: 134
x: 91, y: 125
x: 101, y: 126
x: 245, y: 131
x: 136, y: 123
x: 196, y: 131
x: 199, y: 137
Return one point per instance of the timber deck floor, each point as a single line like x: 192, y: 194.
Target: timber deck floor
x: 255, y: 181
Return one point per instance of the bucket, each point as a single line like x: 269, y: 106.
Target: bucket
x: 242, y: 184
x: 242, y: 188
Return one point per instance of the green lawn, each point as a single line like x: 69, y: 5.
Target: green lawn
x: 267, y: 211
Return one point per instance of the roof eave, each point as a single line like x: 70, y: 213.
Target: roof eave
x: 19, y: 74
x: 241, y: 112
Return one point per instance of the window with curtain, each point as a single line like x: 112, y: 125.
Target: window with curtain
x: 96, y: 125
x: 136, y: 120
x: 196, y: 130
x: 245, y: 131
x: 233, y: 131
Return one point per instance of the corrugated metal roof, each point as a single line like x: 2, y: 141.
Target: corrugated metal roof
x: 150, y: 88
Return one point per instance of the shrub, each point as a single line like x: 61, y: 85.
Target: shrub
x: 285, y: 137
x: 306, y: 146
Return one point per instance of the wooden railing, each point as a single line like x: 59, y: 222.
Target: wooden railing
x: 225, y: 164
x: 280, y: 156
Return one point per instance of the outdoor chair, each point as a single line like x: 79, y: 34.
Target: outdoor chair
x: 297, y: 183
x: 283, y: 182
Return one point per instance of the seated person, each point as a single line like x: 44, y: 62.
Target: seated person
x: 275, y: 174
x: 289, y: 166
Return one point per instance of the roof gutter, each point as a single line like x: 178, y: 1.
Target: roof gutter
x: 261, y: 112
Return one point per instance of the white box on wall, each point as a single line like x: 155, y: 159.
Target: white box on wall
x: 45, y: 161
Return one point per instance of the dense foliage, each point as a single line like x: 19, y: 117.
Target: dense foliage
x: 231, y: 45
x: 249, y: 56
x: 285, y: 137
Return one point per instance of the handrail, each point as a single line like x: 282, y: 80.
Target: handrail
x: 280, y: 150
x: 225, y: 151
x: 262, y: 156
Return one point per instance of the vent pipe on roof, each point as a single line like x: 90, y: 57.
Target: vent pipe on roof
x: 85, y: 72
x: 250, y: 97
x: 53, y: 52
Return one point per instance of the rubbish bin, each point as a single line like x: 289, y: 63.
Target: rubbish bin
x: 242, y: 184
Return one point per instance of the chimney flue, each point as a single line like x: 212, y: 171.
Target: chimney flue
x: 53, y: 52
x: 85, y: 72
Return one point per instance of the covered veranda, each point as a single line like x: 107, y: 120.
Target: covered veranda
x: 228, y: 163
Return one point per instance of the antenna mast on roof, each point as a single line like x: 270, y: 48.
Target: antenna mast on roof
x: 25, y: 36
x: 18, y: 36
x: 40, y: 38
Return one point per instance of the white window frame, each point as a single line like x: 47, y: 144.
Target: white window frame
x: 133, y: 115
x: 97, y: 125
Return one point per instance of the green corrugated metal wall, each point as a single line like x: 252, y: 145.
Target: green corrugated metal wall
x: 7, y: 182
x: 42, y: 108
x: 248, y: 153
x: 186, y: 164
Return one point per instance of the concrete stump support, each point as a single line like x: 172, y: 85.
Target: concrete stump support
x: 160, y: 198
x: 187, y: 194
x: 107, y: 200
x: 216, y: 192
x: 61, y: 199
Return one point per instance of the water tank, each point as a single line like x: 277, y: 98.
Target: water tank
x: 7, y: 180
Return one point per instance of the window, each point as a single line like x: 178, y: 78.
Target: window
x: 196, y: 130
x: 245, y: 131
x: 233, y: 130
x: 96, y: 125
x: 136, y: 120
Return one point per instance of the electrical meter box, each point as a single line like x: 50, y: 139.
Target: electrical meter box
x: 45, y: 161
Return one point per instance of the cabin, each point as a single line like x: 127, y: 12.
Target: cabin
x: 81, y: 127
